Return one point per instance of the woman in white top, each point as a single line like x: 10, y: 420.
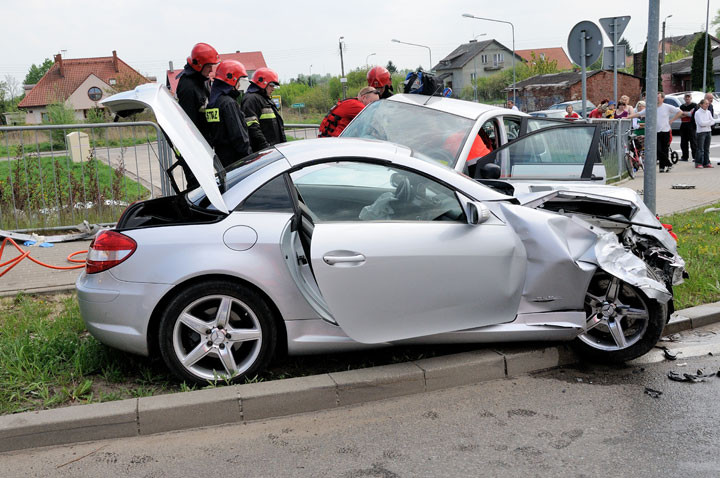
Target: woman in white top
x: 704, y: 122
x: 666, y: 114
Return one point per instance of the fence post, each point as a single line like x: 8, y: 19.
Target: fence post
x: 620, y: 148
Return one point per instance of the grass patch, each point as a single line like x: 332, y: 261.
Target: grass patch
x: 17, y: 143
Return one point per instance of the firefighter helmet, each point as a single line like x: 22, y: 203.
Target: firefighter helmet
x: 230, y: 71
x: 264, y: 76
x: 201, y: 55
x: 378, y: 77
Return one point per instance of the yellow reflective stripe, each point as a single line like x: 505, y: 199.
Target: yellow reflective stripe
x: 267, y: 116
x: 252, y: 121
x: 212, y: 115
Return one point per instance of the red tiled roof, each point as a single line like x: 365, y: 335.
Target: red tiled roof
x: 53, y: 87
x: 251, y: 59
x: 557, y: 53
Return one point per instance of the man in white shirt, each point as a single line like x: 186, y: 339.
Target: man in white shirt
x: 704, y: 122
x: 666, y: 114
x: 511, y: 105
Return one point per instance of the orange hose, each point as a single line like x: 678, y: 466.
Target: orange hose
x: 26, y: 254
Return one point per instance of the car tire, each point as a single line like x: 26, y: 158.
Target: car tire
x: 217, y: 330
x: 622, y: 322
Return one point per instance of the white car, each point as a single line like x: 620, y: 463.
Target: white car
x: 678, y: 99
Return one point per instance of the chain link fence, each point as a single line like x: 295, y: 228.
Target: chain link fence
x: 614, y: 138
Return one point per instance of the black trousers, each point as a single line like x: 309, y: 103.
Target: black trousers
x: 663, y: 145
x: 687, y: 135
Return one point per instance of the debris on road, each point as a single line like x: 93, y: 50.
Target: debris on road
x: 700, y: 376
x: 683, y: 186
x: 653, y: 393
x: 669, y: 354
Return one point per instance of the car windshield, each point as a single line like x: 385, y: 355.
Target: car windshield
x: 237, y: 172
x: 431, y: 134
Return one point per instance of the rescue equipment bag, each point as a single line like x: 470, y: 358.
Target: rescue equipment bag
x: 422, y: 83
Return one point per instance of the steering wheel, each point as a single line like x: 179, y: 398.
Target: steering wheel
x: 403, y: 187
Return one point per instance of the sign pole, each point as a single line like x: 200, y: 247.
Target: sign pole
x: 615, y: 63
x: 583, y: 73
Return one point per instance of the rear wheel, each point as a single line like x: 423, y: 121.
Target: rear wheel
x: 622, y: 323
x: 217, y: 330
x: 629, y: 164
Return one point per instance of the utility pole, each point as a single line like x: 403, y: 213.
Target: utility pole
x: 707, y: 19
x: 663, y: 39
x: 343, y: 80
x: 651, y: 87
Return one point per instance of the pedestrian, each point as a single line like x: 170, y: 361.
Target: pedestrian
x: 610, y: 111
x: 621, y: 111
x: 344, y: 111
x: 709, y: 97
x: 666, y: 114
x: 511, y: 105
x: 379, y: 78
x: 265, y: 125
x: 628, y: 107
x: 228, y: 130
x: 600, y: 110
x: 687, y: 128
x: 193, y: 87
x: 570, y: 115
x: 703, y: 122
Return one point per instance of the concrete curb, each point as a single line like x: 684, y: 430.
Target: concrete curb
x: 264, y: 400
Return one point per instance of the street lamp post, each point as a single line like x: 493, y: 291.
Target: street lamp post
x: 422, y: 46
x: 367, y: 59
x: 475, y: 67
x: 467, y: 15
x: 310, y: 77
x: 663, y: 39
x: 707, y: 19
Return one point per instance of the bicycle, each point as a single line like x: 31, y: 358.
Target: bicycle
x: 633, y: 155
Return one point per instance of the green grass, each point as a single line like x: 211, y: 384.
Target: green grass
x: 13, y: 145
x: 48, y: 359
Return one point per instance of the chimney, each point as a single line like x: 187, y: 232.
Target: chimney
x: 58, y: 60
x: 115, y: 62
x: 170, y: 66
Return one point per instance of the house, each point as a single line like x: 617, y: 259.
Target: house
x: 683, y: 41
x: 474, y: 60
x: 79, y: 82
x: 676, y: 76
x: 542, y: 91
x: 251, y: 59
x: 548, y: 54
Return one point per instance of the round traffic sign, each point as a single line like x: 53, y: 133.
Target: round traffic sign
x: 589, y: 33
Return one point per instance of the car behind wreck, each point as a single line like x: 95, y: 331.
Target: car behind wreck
x: 343, y: 244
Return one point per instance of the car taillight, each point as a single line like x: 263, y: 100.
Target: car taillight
x: 669, y: 229
x: 108, y: 249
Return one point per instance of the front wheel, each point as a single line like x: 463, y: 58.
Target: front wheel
x: 622, y: 323
x: 217, y: 330
x: 629, y: 164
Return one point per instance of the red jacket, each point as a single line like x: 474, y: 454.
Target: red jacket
x: 340, y: 116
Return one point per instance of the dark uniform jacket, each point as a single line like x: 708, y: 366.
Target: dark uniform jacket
x: 265, y: 125
x: 228, y: 132
x: 192, y: 93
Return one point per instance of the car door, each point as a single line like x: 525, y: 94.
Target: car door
x: 564, y: 152
x: 395, y: 258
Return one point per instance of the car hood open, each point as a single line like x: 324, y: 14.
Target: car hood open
x: 183, y: 134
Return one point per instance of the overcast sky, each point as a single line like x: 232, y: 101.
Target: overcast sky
x: 302, y: 36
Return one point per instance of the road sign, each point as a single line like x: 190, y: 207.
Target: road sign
x: 298, y: 105
x: 620, y: 22
x: 593, y: 42
x: 608, y: 57
x: 277, y: 99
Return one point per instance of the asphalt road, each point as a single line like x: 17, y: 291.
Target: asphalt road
x: 578, y: 422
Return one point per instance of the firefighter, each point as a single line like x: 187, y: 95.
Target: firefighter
x: 228, y: 131
x: 379, y: 78
x: 345, y: 110
x: 193, y: 87
x: 265, y: 125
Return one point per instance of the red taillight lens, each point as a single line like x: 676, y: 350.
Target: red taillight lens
x: 669, y: 229
x: 108, y: 249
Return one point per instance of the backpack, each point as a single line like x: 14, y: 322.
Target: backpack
x: 422, y: 83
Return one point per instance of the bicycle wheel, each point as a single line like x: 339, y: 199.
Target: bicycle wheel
x: 674, y: 157
x: 629, y: 164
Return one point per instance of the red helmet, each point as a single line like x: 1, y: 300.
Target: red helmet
x: 378, y: 77
x: 230, y: 71
x: 264, y: 76
x: 201, y: 55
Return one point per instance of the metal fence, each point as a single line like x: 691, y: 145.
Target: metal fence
x: 614, y: 137
x: 301, y: 131
x: 56, y: 176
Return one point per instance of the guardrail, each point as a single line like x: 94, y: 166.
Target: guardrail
x: 56, y: 176
x: 301, y: 131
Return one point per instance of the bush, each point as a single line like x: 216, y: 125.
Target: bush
x: 59, y: 113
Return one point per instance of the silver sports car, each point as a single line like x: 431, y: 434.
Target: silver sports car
x: 339, y: 244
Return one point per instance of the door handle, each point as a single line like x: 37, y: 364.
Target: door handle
x: 331, y: 260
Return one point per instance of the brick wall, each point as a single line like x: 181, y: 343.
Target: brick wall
x: 600, y: 86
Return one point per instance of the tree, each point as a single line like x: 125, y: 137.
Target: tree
x: 391, y: 67
x: 536, y: 66
x: 642, y: 72
x: 716, y: 23
x: 628, y: 49
x: 37, y: 72
x: 697, y: 65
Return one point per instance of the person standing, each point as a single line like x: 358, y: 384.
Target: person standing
x: 687, y: 129
x: 570, y: 115
x: 600, y: 110
x: 265, y: 125
x: 345, y: 111
x: 703, y: 122
x: 621, y: 111
x: 379, y: 78
x: 511, y: 105
x: 193, y: 88
x: 628, y: 107
x: 228, y: 131
x: 666, y: 114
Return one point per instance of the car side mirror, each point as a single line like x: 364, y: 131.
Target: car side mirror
x: 490, y: 171
x: 476, y: 213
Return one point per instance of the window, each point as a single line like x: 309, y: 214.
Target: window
x: 512, y: 127
x: 272, y: 197
x: 95, y: 93
x: 113, y: 81
x: 498, y: 58
x: 473, y: 77
x: 483, y: 59
x: 356, y: 191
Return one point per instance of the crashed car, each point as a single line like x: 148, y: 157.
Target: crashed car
x: 332, y: 245
x: 546, y: 164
